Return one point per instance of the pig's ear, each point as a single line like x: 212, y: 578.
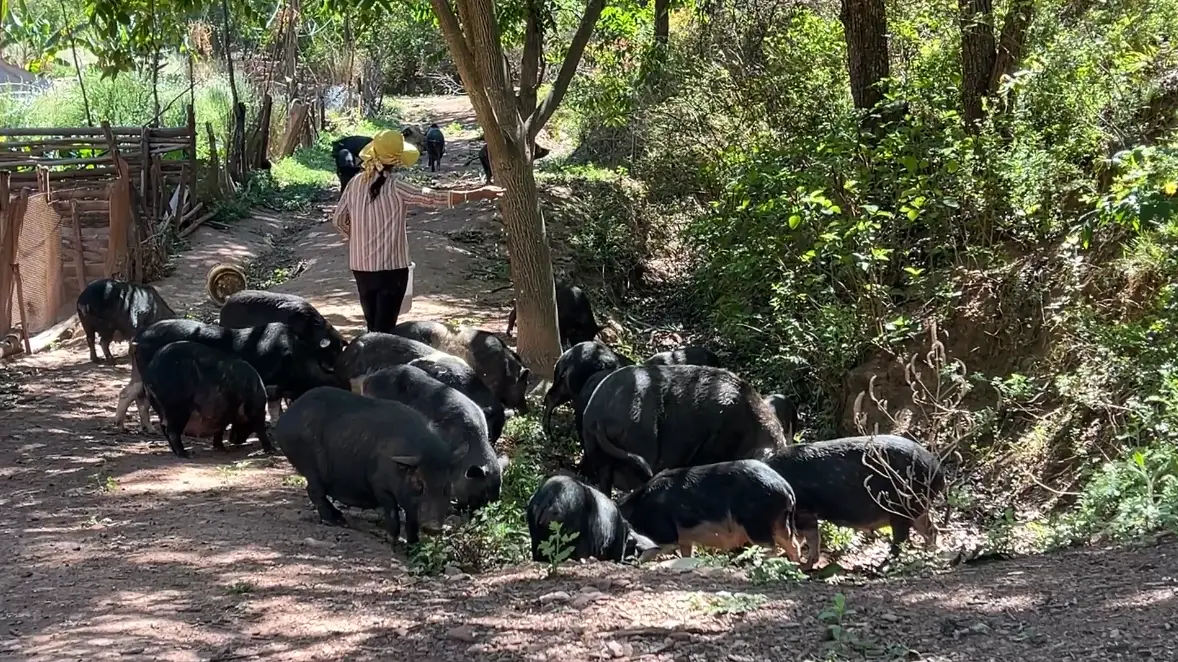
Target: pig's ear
x: 525, y: 375
x: 324, y: 343
x: 407, y: 461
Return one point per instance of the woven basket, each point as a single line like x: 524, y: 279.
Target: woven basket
x: 223, y: 281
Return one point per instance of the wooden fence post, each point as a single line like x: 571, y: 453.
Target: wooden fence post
x: 80, y: 265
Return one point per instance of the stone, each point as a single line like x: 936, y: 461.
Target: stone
x: 682, y: 564
x: 463, y: 633
x: 555, y: 596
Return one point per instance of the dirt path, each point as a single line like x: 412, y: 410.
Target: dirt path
x: 116, y: 550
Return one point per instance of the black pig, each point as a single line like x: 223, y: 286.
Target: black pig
x: 435, y: 146
x: 500, y: 368
x: 346, y: 152
x: 643, y: 419
x: 478, y: 474
x: 375, y: 350
x: 863, y: 483
x: 538, y: 152
x: 258, y: 307
x: 287, y: 365
x: 574, y: 316
x: 574, y: 370
x: 455, y: 373
x: 786, y: 413
x: 115, y: 310
x: 690, y: 355
x: 602, y: 532
x: 724, y: 506
x: 199, y: 391
x: 368, y: 453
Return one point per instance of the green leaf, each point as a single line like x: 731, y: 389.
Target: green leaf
x: 794, y: 221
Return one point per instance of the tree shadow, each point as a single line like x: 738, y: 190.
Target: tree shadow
x: 116, y: 548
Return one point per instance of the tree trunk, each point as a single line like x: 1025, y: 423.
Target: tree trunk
x: 978, y: 53
x: 475, y: 46
x: 155, y: 66
x: 237, y: 132
x: 531, y: 264
x: 662, y: 21
x: 1011, y: 42
x: 77, y: 63
x: 865, y: 25
x: 531, y: 70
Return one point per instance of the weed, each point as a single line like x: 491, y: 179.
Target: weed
x: 724, y: 602
x: 234, y: 468
x: 557, y: 548
x: 239, y: 588
x: 768, y: 569
x: 295, y: 480
x: 105, y: 483
x: 430, y: 556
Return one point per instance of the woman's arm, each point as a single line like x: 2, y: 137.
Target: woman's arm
x: 424, y: 197
x: 341, y: 219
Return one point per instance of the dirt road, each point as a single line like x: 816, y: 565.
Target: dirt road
x: 114, y: 549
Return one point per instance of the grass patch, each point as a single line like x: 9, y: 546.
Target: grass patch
x: 295, y: 480
x: 234, y: 468
x: 496, y: 535
x: 105, y: 484
x: 239, y: 588
x: 724, y: 602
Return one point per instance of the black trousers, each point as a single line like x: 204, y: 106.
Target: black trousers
x: 381, y: 293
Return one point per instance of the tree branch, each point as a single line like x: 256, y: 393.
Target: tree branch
x: 478, y: 17
x: 568, y: 69
x: 529, y: 75
x: 465, y: 61
x: 1011, y: 42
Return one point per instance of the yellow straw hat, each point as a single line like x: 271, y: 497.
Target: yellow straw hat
x: 387, y: 148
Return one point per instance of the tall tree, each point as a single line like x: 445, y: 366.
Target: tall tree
x: 986, y: 60
x: 662, y: 21
x: 865, y: 25
x: 977, y: 56
x: 510, y: 123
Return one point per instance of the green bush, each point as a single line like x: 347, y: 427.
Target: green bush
x: 827, y: 235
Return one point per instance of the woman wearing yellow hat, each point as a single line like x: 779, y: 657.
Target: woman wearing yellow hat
x: 371, y: 216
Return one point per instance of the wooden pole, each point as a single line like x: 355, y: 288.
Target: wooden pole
x: 14, y: 223
x: 133, y: 203
x: 214, y: 160
x: 190, y: 195
x: 20, y: 302
x: 79, y: 246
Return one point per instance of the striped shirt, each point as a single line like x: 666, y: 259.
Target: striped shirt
x: 375, y: 229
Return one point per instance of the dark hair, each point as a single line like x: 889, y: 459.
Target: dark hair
x: 378, y: 183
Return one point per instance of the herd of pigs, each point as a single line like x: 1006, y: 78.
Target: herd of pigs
x: 407, y: 422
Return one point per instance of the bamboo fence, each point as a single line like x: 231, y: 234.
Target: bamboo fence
x: 83, y: 203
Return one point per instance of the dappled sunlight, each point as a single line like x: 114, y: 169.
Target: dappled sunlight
x: 115, y: 548
x: 250, y: 553
x: 1147, y: 598
x: 982, y: 600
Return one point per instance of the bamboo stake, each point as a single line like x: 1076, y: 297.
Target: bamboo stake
x: 20, y: 302
x: 79, y: 247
